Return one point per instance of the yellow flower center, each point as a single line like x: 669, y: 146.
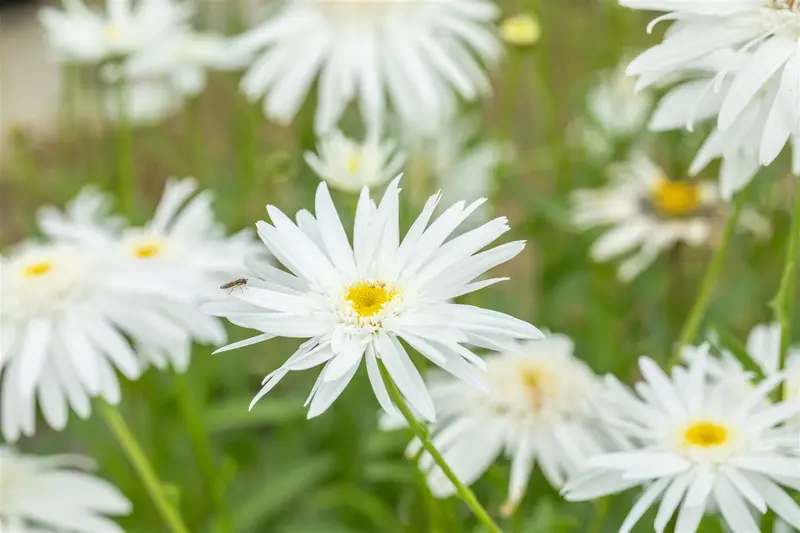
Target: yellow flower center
x: 705, y: 434
x: 146, y: 250
x: 521, y: 30
x: 369, y: 297
x: 112, y: 32
x: 39, y: 268
x: 537, y: 383
x: 353, y: 162
x: 676, y: 198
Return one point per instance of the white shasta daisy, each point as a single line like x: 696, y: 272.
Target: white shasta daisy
x: 536, y: 411
x: 51, y: 494
x: 422, y: 54
x: 349, y: 165
x: 85, y: 35
x: 650, y: 213
x: 760, y: 93
x: 183, y: 246
x: 357, y: 302
x: 699, y: 448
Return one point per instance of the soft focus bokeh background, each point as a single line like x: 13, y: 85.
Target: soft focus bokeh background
x: 339, y: 473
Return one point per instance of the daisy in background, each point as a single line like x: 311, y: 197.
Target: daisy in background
x: 649, y: 213
x: 183, y: 246
x: 349, y: 165
x: 756, y: 98
x: 81, y: 34
x: 455, y: 160
x: 356, y: 302
x: 699, y: 448
x: 422, y: 56
x: 537, y: 410
x: 53, y: 494
x: 616, y: 113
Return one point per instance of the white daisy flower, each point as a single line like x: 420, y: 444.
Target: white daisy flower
x: 700, y: 99
x: 761, y: 95
x: 184, y: 246
x: 52, y: 495
x: 65, y: 312
x: 699, y: 448
x: 349, y: 165
x: 615, y: 112
x: 650, y: 213
x: 537, y: 410
x: 423, y: 54
x: 357, y: 302
x: 84, y: 35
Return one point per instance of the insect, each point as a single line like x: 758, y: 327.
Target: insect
x: 241, y: 282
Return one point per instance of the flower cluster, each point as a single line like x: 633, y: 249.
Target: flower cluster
x: 100, y: 296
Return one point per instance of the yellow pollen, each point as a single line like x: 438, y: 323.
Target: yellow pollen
x: 112, y: 32
x: 353, y: 163
x: 146, y: 251
x: 368, y: 298
x: 676, y: 198
x: 534, y: 381
x: 521, y: 30
x: 37, y: 269
x: 705, y: 434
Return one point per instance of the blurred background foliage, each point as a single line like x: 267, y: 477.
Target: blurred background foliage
x: 339, y: 473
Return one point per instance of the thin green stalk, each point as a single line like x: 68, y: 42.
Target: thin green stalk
x: 700, y: 306
x: 191, y: 410
x: 601, y: 507
x: 143, y: 468
x: 782, y: 303
x: 124, y: 183
x: 421, y: 432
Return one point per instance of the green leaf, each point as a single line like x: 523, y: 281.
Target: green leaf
x: 279, y: 489
x: 361, y: 502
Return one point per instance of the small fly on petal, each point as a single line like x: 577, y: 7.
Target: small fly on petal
x: 241, y: 282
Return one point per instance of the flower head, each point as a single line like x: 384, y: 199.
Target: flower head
x: 536, y: 410
x: 81, y: 34
x: 349, y: 165
x: 696, y: 447
x: 650, y: 212
x: 50, y: 495
x: 754, y: 96
x: 357, y: 302
x: 521, y: 30
x: 422, y: 54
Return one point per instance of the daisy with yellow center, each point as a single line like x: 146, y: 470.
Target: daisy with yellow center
x: 537, y: 409
x: 355, y: 302
x: 696, y: 444
x: 647, y: 213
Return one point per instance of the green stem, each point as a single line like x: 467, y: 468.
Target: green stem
x: 143, y: 468
x: 124, y: 183
x: 601, y: 506
x: 782, y: 303
x: 421, y: 432
x: 191, y: 410
x: 700, y: 306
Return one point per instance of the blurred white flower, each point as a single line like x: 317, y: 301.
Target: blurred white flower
x: 348, y: 165
x: 65, y: 312
x: 699, y: 448
x: 760, y: 95
x: 355, y: 303
x: 157, y: 80
x: 650, y: 213
x: 615, y: 112
x: 183, y: 246
x: 424, y: 55
x: 81, y: 34
x: 457, y: 162
x: 537, y: 410
x: 700, y: 98
x: 50, y: 494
